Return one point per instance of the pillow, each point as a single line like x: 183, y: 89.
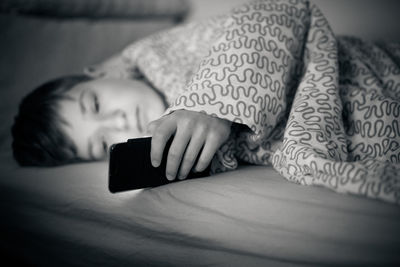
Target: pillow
x: 97, y: 8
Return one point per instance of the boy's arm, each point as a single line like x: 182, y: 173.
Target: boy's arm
x: 196, y: 136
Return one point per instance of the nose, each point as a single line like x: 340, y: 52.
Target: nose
x: 116, y: 120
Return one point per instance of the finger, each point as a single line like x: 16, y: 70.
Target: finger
x: 162, y: 133
x: 176, y: 152
x: 151, y: 126
x: 212, y: 144
x: 192, y: 151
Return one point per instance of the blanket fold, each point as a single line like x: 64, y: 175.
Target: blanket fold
x: 321, y: 110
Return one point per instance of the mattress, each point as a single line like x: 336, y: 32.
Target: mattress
x: 65, y: 216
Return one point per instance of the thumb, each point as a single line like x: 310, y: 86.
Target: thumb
x: 151, y: 127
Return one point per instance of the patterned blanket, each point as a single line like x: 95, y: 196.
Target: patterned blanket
x: 321, y: 110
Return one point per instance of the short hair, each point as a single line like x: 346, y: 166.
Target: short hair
x: 38, y: 139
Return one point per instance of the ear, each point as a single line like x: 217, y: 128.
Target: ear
x: 116, y: 66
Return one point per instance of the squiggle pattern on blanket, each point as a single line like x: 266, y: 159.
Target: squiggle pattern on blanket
x: 321, y: 110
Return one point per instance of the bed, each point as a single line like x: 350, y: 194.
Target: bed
x: 65, y: 216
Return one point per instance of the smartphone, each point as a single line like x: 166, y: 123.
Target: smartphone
x: 130, y: 166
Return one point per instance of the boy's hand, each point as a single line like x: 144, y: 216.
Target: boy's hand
x: 194, y: 132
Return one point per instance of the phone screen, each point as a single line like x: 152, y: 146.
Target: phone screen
x: 130, y: 166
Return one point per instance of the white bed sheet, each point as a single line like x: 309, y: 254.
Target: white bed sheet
x: 65, y: 216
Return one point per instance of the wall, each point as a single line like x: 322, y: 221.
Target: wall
x: 365, y: 18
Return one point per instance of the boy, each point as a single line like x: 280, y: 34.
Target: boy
x: 77, y: 118
x: 321, y: 110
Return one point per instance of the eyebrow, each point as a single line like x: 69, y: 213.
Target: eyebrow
x: 83, y: 111
x: 81, y: 102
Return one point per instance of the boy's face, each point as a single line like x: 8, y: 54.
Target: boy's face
x: 105, y: 111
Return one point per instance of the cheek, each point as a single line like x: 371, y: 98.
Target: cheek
x: 119, y: 137
x: 120, y: 100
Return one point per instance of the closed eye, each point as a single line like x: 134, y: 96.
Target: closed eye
x: 95, y: 103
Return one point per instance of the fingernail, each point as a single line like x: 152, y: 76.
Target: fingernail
x: 197, y: 169
x: 181, y: 176
x: 155, y: 163
x: 170, y: 177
